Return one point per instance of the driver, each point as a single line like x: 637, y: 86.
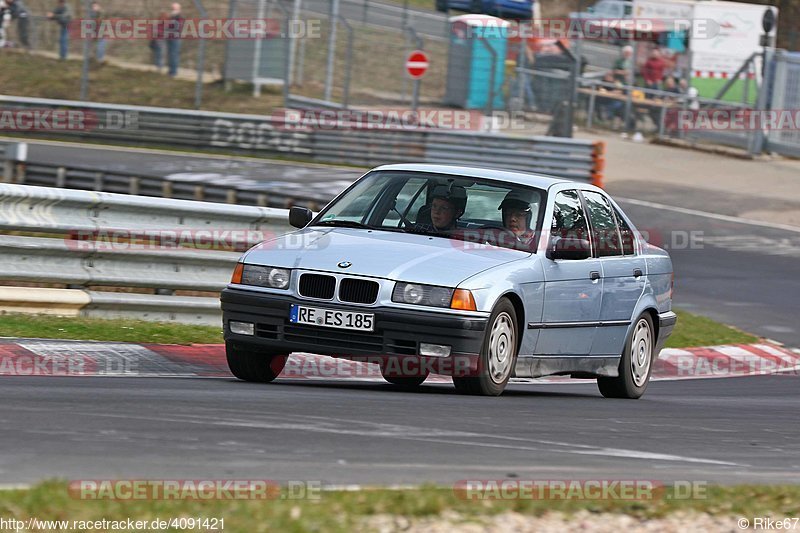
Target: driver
x: 449, y: 203
x: 517, y: 214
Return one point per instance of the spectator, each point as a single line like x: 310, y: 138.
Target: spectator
x: 95, y: 15
x: 17, y: 10
x: 671, y: 86
x: 609, y: 107
x: 172, y: 33
x: 5, y: 20
x: 653, y: 70
x: 623, y: 66
x: 62, y: 14
x: 156, y: 42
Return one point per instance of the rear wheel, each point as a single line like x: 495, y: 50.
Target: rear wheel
x: 498, y: 354
x: 252, y: 365
x: 635, y: 365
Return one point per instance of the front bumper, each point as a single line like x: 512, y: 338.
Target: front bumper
x: 398, y: 332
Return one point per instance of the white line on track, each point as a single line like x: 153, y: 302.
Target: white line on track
x: 707, y: 214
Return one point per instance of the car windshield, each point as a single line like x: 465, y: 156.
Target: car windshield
x: 454, y: 207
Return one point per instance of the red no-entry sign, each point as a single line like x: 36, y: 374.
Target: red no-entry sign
x: 417, y: 64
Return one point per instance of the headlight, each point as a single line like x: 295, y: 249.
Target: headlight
x: 417, y: 294
x: 275, y: 278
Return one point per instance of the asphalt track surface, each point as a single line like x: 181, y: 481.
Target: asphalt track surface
x: 731, y: 430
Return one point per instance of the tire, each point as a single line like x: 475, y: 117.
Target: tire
x: 477, y: 6
x: 635, y: 365
x: 252, y: 365
x: 441, y: 6
x: 498, y: 354
x: 406, y: 382
x: 413, y: 379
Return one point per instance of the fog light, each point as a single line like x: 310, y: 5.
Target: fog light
x: 242, y: 328
x: 434, y: 350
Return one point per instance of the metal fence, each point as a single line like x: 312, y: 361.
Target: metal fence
x: 786, y: 97
x: 573, y: 159
x: 128, y: 242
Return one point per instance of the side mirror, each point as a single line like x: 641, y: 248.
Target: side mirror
x: 569, y: 248
x: 299, y: 217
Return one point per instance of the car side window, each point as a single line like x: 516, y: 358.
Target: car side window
x: 569, y: 220
x: 605, y: 232
x: 626, y: 234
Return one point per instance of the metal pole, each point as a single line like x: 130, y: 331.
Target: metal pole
x: 758, y: 137
x: 201, y: 60
x: 332, y: 18
x: 420, y: 44
x: 348, y: 64
x: 293, y: 41
x: 405, y: 13
x: 86, y: 53
x: 492, y: 73
x: 301, y: 66
x: 522, y: 76
x: 257, y: 53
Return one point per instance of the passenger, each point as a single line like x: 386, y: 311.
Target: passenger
x: 449, y: 202
x: 517, y: 214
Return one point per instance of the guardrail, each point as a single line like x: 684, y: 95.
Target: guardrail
x: 71, y: 176
x: 568, y: 158
x: 128, y: 242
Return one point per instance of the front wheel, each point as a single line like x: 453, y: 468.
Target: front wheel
x: 251, y: 365
x: 635, y: 365
x: 498, y: 354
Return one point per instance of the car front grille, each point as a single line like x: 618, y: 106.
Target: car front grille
x: 317, y: 286
x: 359, y: 291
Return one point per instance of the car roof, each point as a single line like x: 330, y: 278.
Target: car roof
x: 521, y: 178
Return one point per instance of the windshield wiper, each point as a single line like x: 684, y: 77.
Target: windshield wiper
x: 340, y: 223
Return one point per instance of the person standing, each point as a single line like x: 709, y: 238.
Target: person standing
x: 172, y: 33
x: 653, y: 70
x: 156, y: 40
x: 18, y: 12
x: 95, y: 15
x: 623, y: 66
x: 62, y: 14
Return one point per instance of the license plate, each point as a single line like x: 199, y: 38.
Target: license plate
x: 331, y: 318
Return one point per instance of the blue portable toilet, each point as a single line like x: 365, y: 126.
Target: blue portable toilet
x: 470, y: 62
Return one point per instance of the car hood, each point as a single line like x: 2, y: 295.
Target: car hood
x: 397, y: 256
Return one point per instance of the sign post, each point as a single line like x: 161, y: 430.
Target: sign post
x: 416, y: 66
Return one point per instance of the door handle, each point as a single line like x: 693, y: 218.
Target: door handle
x: 594, y: 275
x: 637, y: 272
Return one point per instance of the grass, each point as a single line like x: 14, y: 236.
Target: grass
x: 377, y: 75
x: 95, y: 329
x: 695, y: 330
x: 34, y: 76
x: 348, y: 510
x: 691, y: 330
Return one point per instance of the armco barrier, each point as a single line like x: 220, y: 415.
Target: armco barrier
x: 142, y: 243
x: 264, y: 135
